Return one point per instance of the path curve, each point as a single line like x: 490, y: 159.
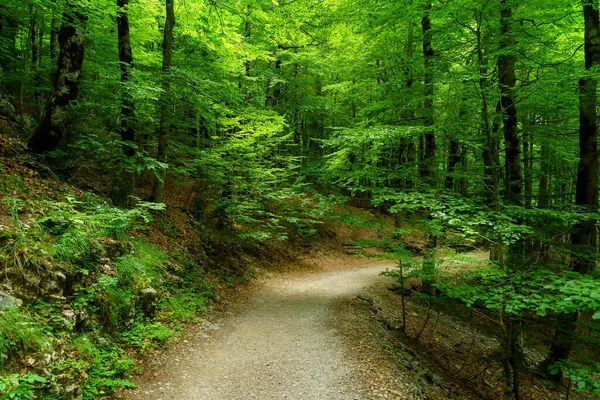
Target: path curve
x: 279, y: 345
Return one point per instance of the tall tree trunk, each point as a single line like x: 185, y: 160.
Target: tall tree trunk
x: 512, y: 163
x: 406, y: 151
x: 583, y: 238
x: 126, y: 181
x: 53, y: 126
x: 429, y: 138
x: 506, y: 80
x: 247, y: 64
x: 159, y: 186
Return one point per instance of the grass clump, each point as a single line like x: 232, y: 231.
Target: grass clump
x: 146, y: 336
x: 143, y: 268
x: 19, y: 333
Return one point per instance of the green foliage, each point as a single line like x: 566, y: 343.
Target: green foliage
x: 539, y: 290
x: 141, y: 269
x: 20, y: 333
x: 147, y: 336
x: 20, y: 387
x: 184, y: 305
x: 103, y: 363
x: 584, y: 378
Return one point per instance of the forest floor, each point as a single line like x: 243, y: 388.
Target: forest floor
x: 330, y: 331
x: 286, y: 336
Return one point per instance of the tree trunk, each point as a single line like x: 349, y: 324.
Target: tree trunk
x: 506, y: 81
x: 543, y: 194
x: 428, y: 141
x: 455, y: 156
x: 126, y: 181
x: 583, y: 238
x: 512, y: 163
x: 528, y: 164
x: 53, y: 126
x: 273, y: 92
x: 247, y: 64
x: 429, y: 138
x: 159, y: 186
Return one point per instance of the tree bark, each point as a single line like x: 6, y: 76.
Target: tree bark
x: 427, y: 167
x: 455, y: 157
x: 528, y: 164
x: 583, y: 238
x: 54, y: 122
x: 512, y: 163
x: 159, y: 186
x: 427, y: 142
x: 126, y: 181
x: 506, y: 80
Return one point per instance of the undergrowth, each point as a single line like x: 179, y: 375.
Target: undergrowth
x: 88, y: 339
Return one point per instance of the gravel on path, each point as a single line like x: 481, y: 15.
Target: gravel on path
x: 277, y: 343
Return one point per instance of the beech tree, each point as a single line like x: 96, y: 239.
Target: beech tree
x: 53, y: 125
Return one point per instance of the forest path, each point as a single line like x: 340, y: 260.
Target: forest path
x: 277, y: 342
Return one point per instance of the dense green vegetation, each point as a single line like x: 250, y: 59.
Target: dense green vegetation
x: 475, y: 120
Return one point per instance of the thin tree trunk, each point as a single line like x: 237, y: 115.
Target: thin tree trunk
x: 427, y: 142
x: 247, y: 64
x: 454, y: 158
x: 542, y: 201
x: 528, y: 170
x: 427, y: 168
x: 53, y: 126
x: 126, y: 181
x: 583, y: 238
x: 159, y: 186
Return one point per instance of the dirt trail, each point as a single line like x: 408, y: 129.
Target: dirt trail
x: 279, y: 344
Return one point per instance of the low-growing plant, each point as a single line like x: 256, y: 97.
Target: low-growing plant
x: 19, y: 333
x: 147, y: 336
x: 20, y: 387
x: 584, y: 377
x: 184, y: 306
x: 102, y: 362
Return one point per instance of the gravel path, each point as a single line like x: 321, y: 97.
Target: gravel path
x: 278, y: 344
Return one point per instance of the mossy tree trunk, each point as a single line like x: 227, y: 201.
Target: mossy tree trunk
x: 53, y: 125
